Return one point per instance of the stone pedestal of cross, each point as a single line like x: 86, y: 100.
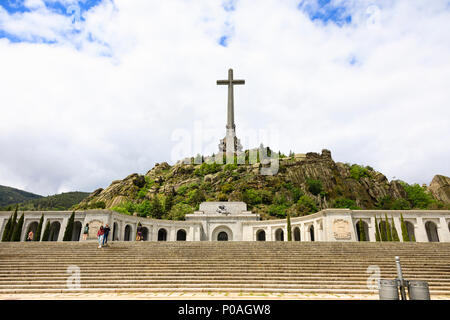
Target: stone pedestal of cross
x: 230, y: 144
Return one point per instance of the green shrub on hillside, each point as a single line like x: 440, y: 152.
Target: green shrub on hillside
x: 179, y: 211
x: 314, y: 186
x: 306, y: 205
x: 357, y: 172
x: 342, y: 202
x: 417, y: 196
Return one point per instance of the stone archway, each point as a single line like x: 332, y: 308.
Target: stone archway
x: 55, y: 226
x: 32, y: 227
x: 144, y: 231
x: 115, y: 229
x: 225, y: 234
x: 410, y: 231
x: 162, y: 234
x: 311, y: 233
x: 297, y: 234
x: 222, y: 236
x: 181, y: 235
x: 279, y: 235
x: 260, y: 235
x: 432, y: 232
x: 127, y: 233
x: 76, y: 231
x: 366, y: 231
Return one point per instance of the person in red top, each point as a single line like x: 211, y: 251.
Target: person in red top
x: 100, y: 235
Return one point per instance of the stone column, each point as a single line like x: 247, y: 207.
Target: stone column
x: 372, y: 230
x: 3, y: 222
x: 443, y: 231
x: 419, y: 230
x: 398, y: 227
x: 63, y: 228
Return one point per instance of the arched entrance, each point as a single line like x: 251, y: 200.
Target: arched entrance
x: 32, y: 227
x: 222, y: 236
x: 181, y: 235
x: 410, y: 231
x: 162, y: 234
x: 366, y: 231
x: 144, y: 231
x: 260, y: 235
x: 127, y: 235
x: 311, y: 233
x: 297, y: 234
x: 54, y: 231
x: 222, y: 233
x: 115, y: 228
x: 76, y: 232
x: 432, y: 233
x: 279, y: 235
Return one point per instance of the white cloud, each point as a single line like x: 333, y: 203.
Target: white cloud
x: 79, y: 113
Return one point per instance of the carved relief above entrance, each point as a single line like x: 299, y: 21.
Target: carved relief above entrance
x: 341, y: 229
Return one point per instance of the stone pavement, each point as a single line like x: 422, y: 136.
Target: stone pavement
x: 195, y: 296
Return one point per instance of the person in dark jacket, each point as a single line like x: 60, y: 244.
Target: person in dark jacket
x: 106, y: 230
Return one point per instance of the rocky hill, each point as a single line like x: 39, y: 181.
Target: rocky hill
x: 305, y: 183
x: 62, y: 201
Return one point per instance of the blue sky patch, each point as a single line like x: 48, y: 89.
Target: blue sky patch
x: 325, y: 11
x: 229, y: 5
x: 223, y: 41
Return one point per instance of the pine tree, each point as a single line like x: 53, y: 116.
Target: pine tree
x: 7, y: 232
x: 394, y: 231
x: 13, y: 224
x: 18, y: 229
x: 404, y: 229
x: 289, y: 229
x: 69, y: 228
x: 37, y: 236
x: 168, y: 202
x: 46, y: 234
x: 388, y: 229
x: 362, y: 232
x: 157, y: 210
x: 377, y: 231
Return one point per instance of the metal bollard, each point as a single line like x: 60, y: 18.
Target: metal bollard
x: 401, y: 282
x: 418, y: 290
x: 388, y: 289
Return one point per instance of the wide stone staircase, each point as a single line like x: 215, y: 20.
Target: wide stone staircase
x: 248, y: 267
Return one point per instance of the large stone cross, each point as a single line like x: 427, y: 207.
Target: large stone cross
x: 230, y: 82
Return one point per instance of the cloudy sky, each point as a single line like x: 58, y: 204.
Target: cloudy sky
x: 91, y: 91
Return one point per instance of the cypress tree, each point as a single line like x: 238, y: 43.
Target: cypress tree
x: 18, y: 229
x: 404, y: 229
x: 383, y: 233
x: 13, y: 224
x: 37, y: 236
x: 46, y: 234
x: 6, y: 232
x: 388, y: 229
x: 377, y: 231
x: 362, y: 232
x: 394, y: 231
x: 289, y: 229
x: 69, y: 228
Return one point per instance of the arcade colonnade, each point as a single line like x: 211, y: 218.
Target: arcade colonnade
x: 326, y: 225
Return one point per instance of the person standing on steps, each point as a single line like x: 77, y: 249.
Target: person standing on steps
x: 100, y: 235
x: 139, y: 232
x: 30, y: 236
x: 105, y: 236
x: 86, y: 231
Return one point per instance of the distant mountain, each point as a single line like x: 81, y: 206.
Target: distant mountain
x: 10, y: 195
x: 63, y: 201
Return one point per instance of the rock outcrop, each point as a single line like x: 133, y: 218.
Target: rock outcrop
x: 224, y: 183
x: 440, y: 188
